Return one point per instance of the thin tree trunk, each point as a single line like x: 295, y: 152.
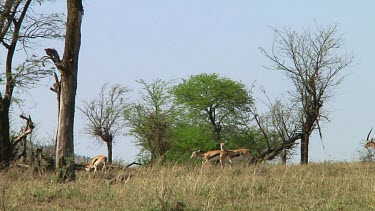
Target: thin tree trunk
x: 153, y: 155
x: 57, y: 89
x: 6, y: 147
x: 109, y: 149
x: 284, y: 153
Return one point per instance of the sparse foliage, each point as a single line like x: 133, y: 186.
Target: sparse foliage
x: 105, y: 115
x: 151, y: 119
x: 278, y: 129
x: 20, y: 27
x: 313, y: 63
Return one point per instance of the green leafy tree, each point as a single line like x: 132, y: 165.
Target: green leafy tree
x: 188, y: 137
x: 151, y: 120
x: 210, y: 99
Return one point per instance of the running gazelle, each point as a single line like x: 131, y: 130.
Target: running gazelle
x: 214, y: 155
x: 236, y: 154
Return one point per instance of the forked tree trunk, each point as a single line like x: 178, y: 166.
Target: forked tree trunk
x: 68, y: 68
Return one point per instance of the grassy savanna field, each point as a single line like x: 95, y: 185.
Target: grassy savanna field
x: 320, y: 186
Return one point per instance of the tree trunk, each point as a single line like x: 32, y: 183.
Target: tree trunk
x: 5, y: 145
x: 284, y: 157
x: 6, y: 148
x: 65, y: 147
x: 218, y: 134
x: 305, y: 148
x: 153, y: 155
x: 161, y: 143
x: 68, y: 70
x: 109, y: 149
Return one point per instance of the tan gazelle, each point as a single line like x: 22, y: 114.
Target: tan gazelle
x: 236, y: 154
x: 96, y: 161
x: 214, y: 155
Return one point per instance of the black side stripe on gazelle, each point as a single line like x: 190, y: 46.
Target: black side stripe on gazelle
x: 218, y: 154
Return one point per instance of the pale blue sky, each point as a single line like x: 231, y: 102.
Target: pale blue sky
x: 123, y: 41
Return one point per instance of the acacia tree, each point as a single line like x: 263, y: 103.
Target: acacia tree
x: 68, y: 68
x: 151, y: 120
x: 19, y: 28
x: 214, y: 100
x: 105, y: 115
x: 277, y: 130
x: 311, y: 60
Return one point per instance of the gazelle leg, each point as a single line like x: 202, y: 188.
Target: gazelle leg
x: 221, y: 164
x: 94, y: 168
x: 104, y: 168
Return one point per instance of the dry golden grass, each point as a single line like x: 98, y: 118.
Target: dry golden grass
x: 323, y: 186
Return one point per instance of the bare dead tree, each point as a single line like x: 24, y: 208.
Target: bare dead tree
x: 277, y: 130
x: 312, y: 62
x: 281, y: 119
x: 57, y: 89
x: 21, y: 138
x: 105, y: 115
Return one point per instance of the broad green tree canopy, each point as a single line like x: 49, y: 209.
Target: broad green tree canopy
x: 215, y: 99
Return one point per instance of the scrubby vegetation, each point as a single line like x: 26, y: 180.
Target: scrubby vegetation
x: 320, y: 186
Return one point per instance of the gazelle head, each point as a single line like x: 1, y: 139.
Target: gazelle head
x: 98, y: 160
x: 89, y: 167
x: 370, y: 143
x: 195, y: 153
